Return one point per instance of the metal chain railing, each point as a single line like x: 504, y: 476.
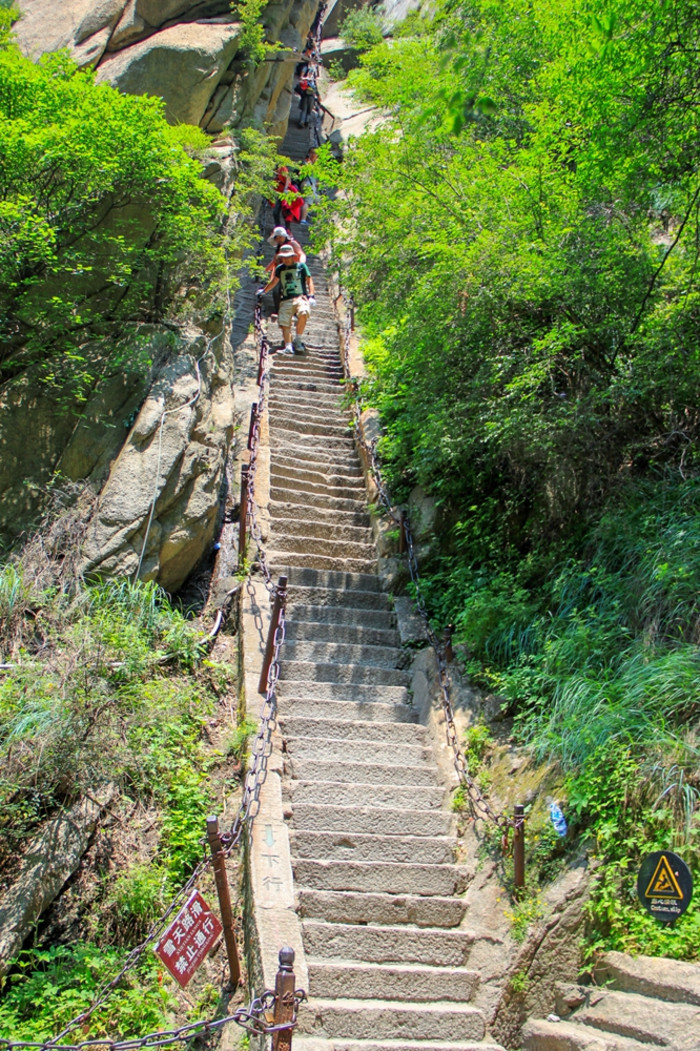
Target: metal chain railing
x: 480, y: 804
x: 257, y: 1018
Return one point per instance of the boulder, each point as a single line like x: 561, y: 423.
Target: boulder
x: 49, y: 26
x: 158, y: 510
x: 42, y: 437
x: 183, y: 65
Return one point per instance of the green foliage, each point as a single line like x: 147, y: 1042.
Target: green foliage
x: 252, y: 41
x: 51, y: 986
x: 634, y: 805
x: 238, y: 745
x: 361, y: 29
x: 523, y: 915
x: 521, y: 238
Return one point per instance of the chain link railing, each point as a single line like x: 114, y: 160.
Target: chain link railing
x: 258, y: 1017
x: 478, y: 801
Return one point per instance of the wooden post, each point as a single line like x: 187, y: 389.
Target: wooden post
x: 284, y: 1001
x: 280, y: 599
x: 519, y: 849
x: 253, y: 418
x: 243, y: 520
x: 219, y: 859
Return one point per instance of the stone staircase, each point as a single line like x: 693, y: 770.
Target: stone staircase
x: 638, y: 1005
x: 371, y: 838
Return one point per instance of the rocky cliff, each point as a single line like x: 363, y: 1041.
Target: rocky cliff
x: 153, y: 440
x: 185, y: 51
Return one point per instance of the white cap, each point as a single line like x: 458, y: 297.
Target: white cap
x: 279, y: 231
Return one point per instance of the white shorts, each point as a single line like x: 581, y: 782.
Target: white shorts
x: 290, y: 308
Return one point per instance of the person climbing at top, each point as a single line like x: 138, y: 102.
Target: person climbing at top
x: 297, y: 297
x: 287, y: 208
x: 308, y: 93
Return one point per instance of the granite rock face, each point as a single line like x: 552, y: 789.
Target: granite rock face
x: 157, y: 511
x: 183, y: 51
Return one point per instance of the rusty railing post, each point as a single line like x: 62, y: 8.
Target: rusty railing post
x: 402, y: 531
x: 449, y: 648
x: 352, y: 314
x: 284, y: 1001
x: 519, y: 849
x: 280, y: 599
x: 243, y: 520
x: 219, y: 860
x: 253, y: 419
x: 261, y: 362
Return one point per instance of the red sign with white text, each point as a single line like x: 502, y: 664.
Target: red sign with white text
x: 188, y: 939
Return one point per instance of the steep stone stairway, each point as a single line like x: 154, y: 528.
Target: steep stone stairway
x: 370, y: 835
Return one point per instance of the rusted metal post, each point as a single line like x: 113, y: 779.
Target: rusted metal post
x: 243, y: 520
x: 261, y: 364
x: 402, y: 531
x: 284, y: 1001
x: 352, y: 314
x: 519, y: 849
x: 447, y: 638
x: 280, y: 599
x: 219, y: 859
x: 253, y: 419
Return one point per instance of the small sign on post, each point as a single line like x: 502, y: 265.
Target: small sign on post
x: 188, y: 939
x: 665, y: 885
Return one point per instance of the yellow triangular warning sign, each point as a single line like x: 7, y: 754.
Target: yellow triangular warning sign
x: 663, y: 884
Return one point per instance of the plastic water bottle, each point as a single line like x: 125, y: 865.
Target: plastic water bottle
x: 558, y: 819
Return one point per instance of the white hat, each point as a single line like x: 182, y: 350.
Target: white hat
x: 279, y: 231
x: 286, y: 252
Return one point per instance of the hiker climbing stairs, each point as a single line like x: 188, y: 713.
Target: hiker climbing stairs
x: 370, y: 833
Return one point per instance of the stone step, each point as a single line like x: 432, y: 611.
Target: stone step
x: 370, y: 1019
x: 305, y: 1043
x: 288, y: 383
x: 392, y: 797
x: 305, y: 485
x: 293, y: 462
x: 292, y: 442
x: 320, y: 671
x: 361, y: 773
x: 322, y: 457
x: 289, y: 494
x: 361, y: 693
x: 318, y: 516
x: 337, y: 617
x: 339, y: 846
x: 351, y: 820
x: 289, y: 365
x: 311, y: 402
x: 366, y: 751
x: 356, y: 634
x: 345, y: 653
x: 672, y: 980
x: 390, y: 733
x: 341, y: 979
x: 435, y: 947
x: 350, y: 907
x: 314, y: 545
x: 303, y: 559
x: 382, y: 877
x: 540, y: 1035
x: 631, y: 1015
x: 340, y: 712
x: 302, y: 475
x: 334, y: 532
x: 285, y: 422
x: 319, y: 578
